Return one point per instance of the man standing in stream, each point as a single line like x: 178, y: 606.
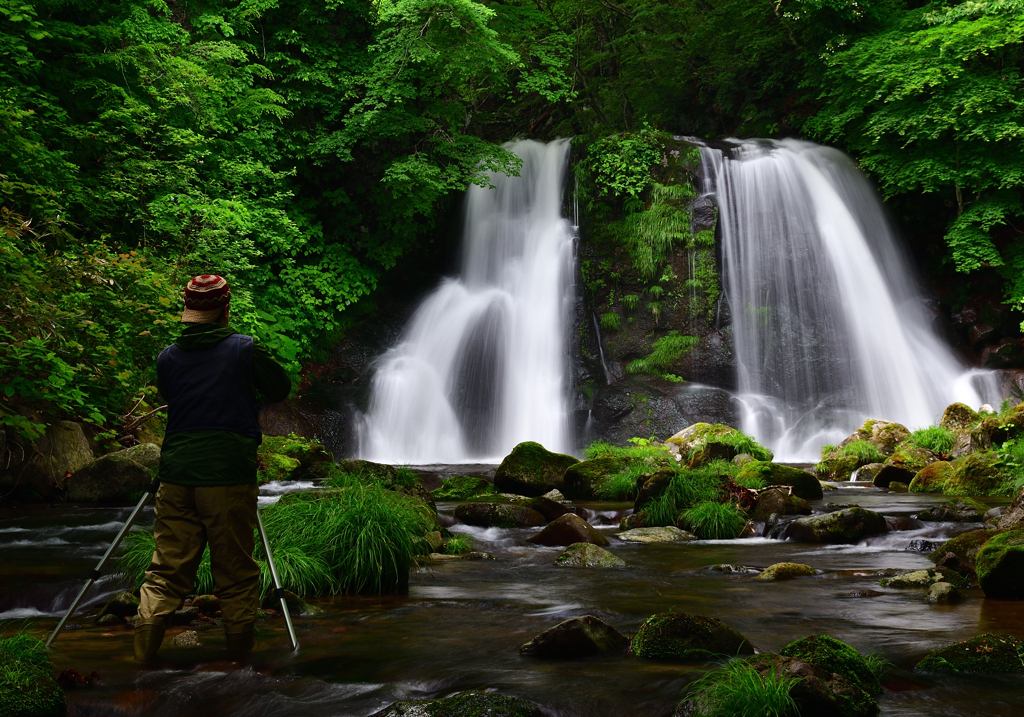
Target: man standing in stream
x: 212, y: 380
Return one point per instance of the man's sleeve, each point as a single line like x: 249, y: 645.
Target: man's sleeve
x: 270, y: 379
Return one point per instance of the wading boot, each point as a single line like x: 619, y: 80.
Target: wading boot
x: 240, y: 644
x: 147, y: 642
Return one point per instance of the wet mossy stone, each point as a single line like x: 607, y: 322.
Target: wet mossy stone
x: 963, y: 510
x: 567, y: 530
x: 908, y: 459
x: 959, y: 417
x: 932, y: 478
x: 576, y: 637
x: 588, y: 555
x: 838, y: 467
x: 550, y: 509
x: 277, y: 467
x: 888, y: 475
x: 922, y: 579
x: 114, y: 478
x: 805, y: 485
x: 944, y: 594
x: 650, y: 487
x: 836, y: 656
x: 730, y: 443
x: 988, y: 654
x: 462, y: 488
x: 532, y: 470
x: 658, y: 534
x: 778, y: 501
x: 870, y: 471
x: 499, y: 515
x: 583, y: 480
x: 682, y: 637
x: 146, y: 455
x: 464, y: 704
x: 965, y: 546
x: 817, y: 690
x: 306, y: 451
x: 123, y: 604
x: 976, y: 474
x: 27, y: 685
x: 1014, y: 515
x: 883, y: 435
x: 786, y: 571
x: 850, y: 525
x: 1000, y: 566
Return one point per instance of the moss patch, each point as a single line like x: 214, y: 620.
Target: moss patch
x: 805, y: 485
x: 983, y: 655
x: 932, y: 478
x: 965, y: 546
x: 978, y: 473
x: 1000, y: 565
x: 27, y: 686
x: 786, y: 571
x: 462, y: 488
x: 275, y: 466
x: 532, y: 470
x: 836, y: 656
x: 680, y: 637
x: 305, y: 450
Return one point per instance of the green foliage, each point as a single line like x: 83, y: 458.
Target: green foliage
x: 712, y: 520
x: 641, y: 448
x: 620, y: 165
x: 687, y: 488
x: 610, y: 321
x: 934, y: 438
x: 1011, y: 452
x: 827, y: 449
x: 623, y: 485
x: 737, y: 689
x: 630, y: 301
x: 458, y: 545
x: 27, y: 686
x: 741, y: 442
x: 667, y: 350
x: 863, y: 451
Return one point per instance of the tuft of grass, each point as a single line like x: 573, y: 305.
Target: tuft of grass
x: 686, y: 489
x: 610, y: 321
x: 934, y: 438
x: 738, y: 690
x: 878, y: 665
x: 622, y: 485
x: 826, y: 449
x: 641, y: 448
x: 360, y: 539
x: 667, y: 351
x: 1012, y: 455
x: 630, y: 301
x: 26, y: 678
x: 862, y: 451
x: 711, y: 520
x: 742, y: 443
x: 458, y: 545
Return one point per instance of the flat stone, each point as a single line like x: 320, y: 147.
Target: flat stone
x: 666, y: 534
x: 786, y: 571
x: 588, y: 555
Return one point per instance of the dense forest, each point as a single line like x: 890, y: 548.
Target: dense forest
x: 313, y: 151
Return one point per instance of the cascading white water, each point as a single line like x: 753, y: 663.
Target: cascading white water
x: 829, y: 325
x: 482, y: 364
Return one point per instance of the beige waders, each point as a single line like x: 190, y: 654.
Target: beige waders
x: 187, y: 519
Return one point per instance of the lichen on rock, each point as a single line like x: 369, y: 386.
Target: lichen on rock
x: 986, y: 654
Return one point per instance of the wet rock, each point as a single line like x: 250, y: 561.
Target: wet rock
x: 805, y: 485
x: 462, y: 488
x: 975, y: 474
x: 931, y: 478
x: 296, y: 605
x: 905, y: 463
x: 113, y: 478
x: 827, y: 486
x: 869, y: 471
x: 499, y: 515
x: 944, y: 593
x: 1000, y: 566
x: 704, y: 442
x: 864, y: 593
x: 434, y: 540
x: 681, y: 637
x: 1014, y: 516
x: 532, y: 470
x: 965, y: 546
x: 122, y: 605
x: 557, y: 496
x: 188, y: 638
x: 588, y: 555
x: 738, y: 569
x: 208, y: 605
x: 959, y: 417
x: 919, y: 579
x: 577, y: 637
x: 665, y: 534
x: 35, y: 471
x: 883, y: 435
x: 464, y: 704
x: 109, y: 620
x: 778, y: 501
x: 835, y: 656
x: 951, y: 561
x: 845, y: 526
x: 550, y: 509
x: 890, y: 474
x: 567, y: 530
x: 184, y: 616
x: 27, y: 685
x: 921, y: 546
x: 630, y: 522
x: 954, y: 511
x: 786, y: 571
x: 583, y: 480
x: 146, y: 455
x: 899, y: 487
x: 743, y: 459
x: 983, y: 655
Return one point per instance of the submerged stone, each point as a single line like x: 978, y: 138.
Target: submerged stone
x: 786, y: 571
x: 987, y: 654
x: 681, y: 637
x: 567, y: 530
x: 499, y: 515
x: 919, y: 579
x: 576, y: 637
x: 836, y: 656
x: 532, y: 470
x: 850, y: 525
x: 588, y: 555
x: 464, y: 704
x: 661, y: 534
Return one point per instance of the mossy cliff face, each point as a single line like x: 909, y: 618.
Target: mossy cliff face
x: 649, y: 291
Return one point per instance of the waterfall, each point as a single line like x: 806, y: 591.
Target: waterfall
x: 829, y: 324
x: 482, y: 364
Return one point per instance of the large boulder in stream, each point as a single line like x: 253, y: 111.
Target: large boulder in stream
x: 805, y: 485
x: 576, y: 637
x: 702, y: 443
x: 931, y: 478
x: 583, y: 480
x: 843, y: 526
x: 682, y: 637
x: 464, y: 704
x: 462, y: 488
x: 987, y: 654
x: 114, y: 478
x: 836, y: 656
x: 1000, y: 566
x: 567, y: 530
x: 965, y: 546
x: 883, y: 435
x: 959, y: 417
x: 34, y: 471
x: 976, y: 474
x: 27, y: 685
x: 532, y: 470
x: 779, y: 502
x: 499, y: 515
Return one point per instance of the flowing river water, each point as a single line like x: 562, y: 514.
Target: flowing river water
x: 461, y: 623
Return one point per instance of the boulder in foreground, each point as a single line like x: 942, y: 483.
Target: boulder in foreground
x: 843, y: 526
x: 532, y: 470
x: 681, y: 637
x: 836, y: 656
x: 576, y: 637
x: 567, y: 530
x: 987, y: 654
x: 1000, y: 566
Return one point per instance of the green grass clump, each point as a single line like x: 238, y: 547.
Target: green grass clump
x: 711, y: 520
x: 687, y: 488
x: 826, y: 449
x: 641, y: 448
x: 360, y: 539
x: 27, y: 686
x: 610, y: 321
x: 738, y: 690
x: 667, y: 350
x: 934, y: 438
x: 458, y: 545
x: 1012, y: 454
x: 742, y: 443
x: 863, y: 451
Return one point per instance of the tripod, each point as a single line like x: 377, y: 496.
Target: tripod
x: 96, y: 572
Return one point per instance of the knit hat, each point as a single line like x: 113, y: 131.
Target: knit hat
x: 205, y: 299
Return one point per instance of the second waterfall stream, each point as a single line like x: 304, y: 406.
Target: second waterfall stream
x: 482, y: 364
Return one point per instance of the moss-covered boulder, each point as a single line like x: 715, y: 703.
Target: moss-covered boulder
x: 306, y: 451
x: 963, y: 510
x: 868, y: 472
x: 943, y: 593
x: 576, y: 637
x: 964, y: 546
x: 883, y: 435
x: 567, y: 530
x: 114, y: 479
x: 779, y: 502
x: 836, y: 656
x: 908, y: 460
x: 499, y: 515
x: 682, y: 637
x: 932, y: 478
x: 532, y: 470
x: 588, y: 555
x: 987, y: 654
x: 850, y: 525
x: 462, y: 488
x: 650, y: 487
x: 123, y: 604
x: 27, y: 686
x: 805, y: 485
x: 921, y: 579
x: 1000, y: 566
x: 1014, y: 515
x: 702, y: 443
x: 277, y: 467
x: 959, y: 417
x: 583, y: 480
x: 146, y: 455
x: 976, y: 474
x: 786, y: 571
x: 464, y: 704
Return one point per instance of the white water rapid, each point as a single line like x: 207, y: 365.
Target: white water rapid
x: 482, y: 364
x: 830, y: 327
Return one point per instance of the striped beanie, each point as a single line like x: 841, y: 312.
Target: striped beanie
x: 205, y: 299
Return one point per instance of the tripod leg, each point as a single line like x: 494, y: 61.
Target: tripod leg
x: 98, y: 570
x: 278, y: 590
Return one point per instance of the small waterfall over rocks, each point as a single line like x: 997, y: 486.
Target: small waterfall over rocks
x: 829, y: 325
x: 482, y: 364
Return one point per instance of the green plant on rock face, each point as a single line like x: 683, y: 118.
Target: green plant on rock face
x: 641, y: 448
x: 610, y: 321
x: 667, y: 350
x: 863, y: 451
x: 742, y: 443
x: 712, y: 520
x: 934, y: 438
x: 651, y: 234
x: 687, y: 487
x: 1012, y: 455
x: 826, y: 449
x: 738, y: 690
x: 630, y: 301
x: 656, y: 291
x: 620, y: 165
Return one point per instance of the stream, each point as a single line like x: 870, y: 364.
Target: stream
x: 461, y: 623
